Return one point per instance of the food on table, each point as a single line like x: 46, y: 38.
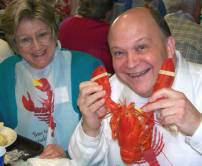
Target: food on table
x: 3, y: 140
x: 14, y: 155
x: 7, y: 135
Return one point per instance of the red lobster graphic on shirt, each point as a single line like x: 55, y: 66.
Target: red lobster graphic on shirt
x: 44, y: 113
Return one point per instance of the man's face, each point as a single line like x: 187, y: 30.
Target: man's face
x: 138, y: 50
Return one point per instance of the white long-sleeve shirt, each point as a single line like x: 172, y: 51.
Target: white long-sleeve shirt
x: 178, y: 149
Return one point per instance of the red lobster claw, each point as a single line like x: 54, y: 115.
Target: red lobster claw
x: 166, y: 75
x: 100, y: 75
x: 28, y: 103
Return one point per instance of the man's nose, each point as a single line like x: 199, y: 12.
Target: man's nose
x: 132, y: 60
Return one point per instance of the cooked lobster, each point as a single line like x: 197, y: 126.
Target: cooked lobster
x: 134, y: 129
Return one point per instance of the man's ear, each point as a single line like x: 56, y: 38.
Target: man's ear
x: 171, y: 47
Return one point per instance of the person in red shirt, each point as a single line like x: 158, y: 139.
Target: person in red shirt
x: 87, y: 30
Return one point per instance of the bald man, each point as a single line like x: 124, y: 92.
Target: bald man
x: 140, y: 42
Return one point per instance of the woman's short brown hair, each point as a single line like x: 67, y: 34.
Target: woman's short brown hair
x: 33, y: 9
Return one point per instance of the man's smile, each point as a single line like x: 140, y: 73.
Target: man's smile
x: 137, y: 75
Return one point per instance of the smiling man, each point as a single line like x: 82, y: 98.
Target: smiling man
x: 141, y: 45
x: 137, y: 53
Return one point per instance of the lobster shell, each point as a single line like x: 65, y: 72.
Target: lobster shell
x: 133, y: 129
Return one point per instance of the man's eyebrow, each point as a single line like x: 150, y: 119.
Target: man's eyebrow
x: 143, y: 39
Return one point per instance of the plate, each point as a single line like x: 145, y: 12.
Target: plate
x: 26, y: 149
x: 10, y: 135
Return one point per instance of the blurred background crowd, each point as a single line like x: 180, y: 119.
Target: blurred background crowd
x: 183, y: 17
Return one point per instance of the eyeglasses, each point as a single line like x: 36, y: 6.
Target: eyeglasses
x: 42, y: 37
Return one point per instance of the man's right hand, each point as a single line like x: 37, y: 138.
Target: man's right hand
x: 91, y: 103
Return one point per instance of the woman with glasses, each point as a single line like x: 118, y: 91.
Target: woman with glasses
x: 39, y: 86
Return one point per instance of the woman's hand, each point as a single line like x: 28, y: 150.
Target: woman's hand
x: 91, y: 103
x: 175, y: 108
x: 53, y: 151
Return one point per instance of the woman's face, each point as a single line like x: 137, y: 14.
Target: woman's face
x: 35, y: 43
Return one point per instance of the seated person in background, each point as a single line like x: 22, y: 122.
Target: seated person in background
x: 5, y: 50
x: 183, y: 18
x: 39, y: 87
x: 146, y: 136
x: 87, y: 31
